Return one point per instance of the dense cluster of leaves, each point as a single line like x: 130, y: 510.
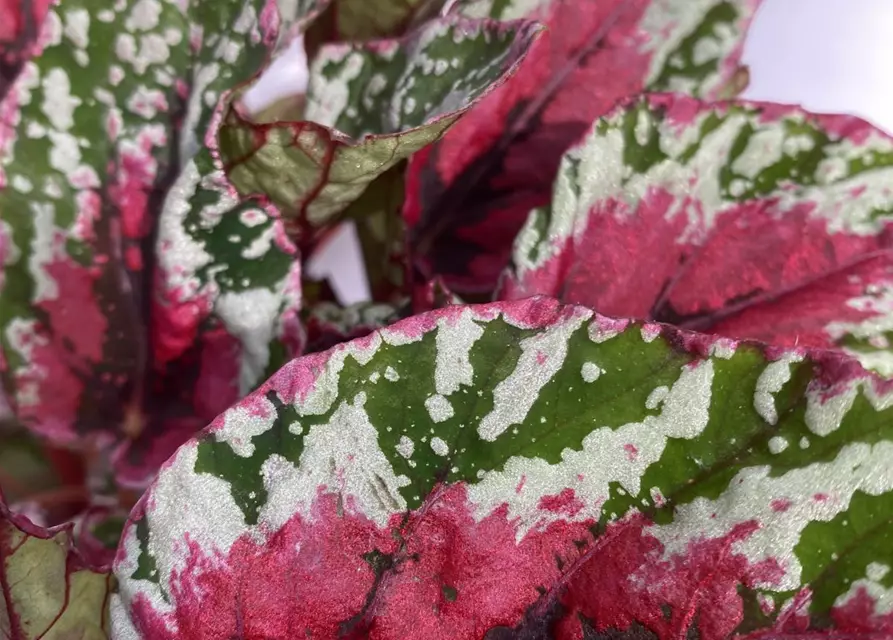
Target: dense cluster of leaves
x: 657, y: 421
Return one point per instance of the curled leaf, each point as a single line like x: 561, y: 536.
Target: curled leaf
x: 755, y: 221
x: 369, y: 106
x: 469, y: 194
x: 526, y: 470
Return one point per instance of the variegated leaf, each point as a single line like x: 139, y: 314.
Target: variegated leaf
x: 102, y: 121
x: 527, y: 470
x: 228, y: 291
x: 47, y: 592
x: 368, y: 107
x: 469, y: 194
x: 90, y: 120
x: 225, y: 310
x: 748, y: 220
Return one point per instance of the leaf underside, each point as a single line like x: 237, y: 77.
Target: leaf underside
x: 369, y: 107
x: 46, y: 590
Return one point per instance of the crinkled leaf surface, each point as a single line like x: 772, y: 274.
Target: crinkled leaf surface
x: 46, y: 590
x: 369, y: 106
x: 469, y: 195
x: 747, y: 220
x: 526, y: 470
x: 101, y: 122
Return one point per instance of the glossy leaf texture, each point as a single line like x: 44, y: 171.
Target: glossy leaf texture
x: 469, y: 195
x: 368, y: 107
x: 101, y: 123
x: 527, y: 470
x: 47, y: 592
x: 748, y: 220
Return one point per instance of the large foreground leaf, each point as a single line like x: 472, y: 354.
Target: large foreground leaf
x: 469, y: 195
x: 527, y: 470
x: 369, y: 106
x: 46, y: 590
x: 747, y: 220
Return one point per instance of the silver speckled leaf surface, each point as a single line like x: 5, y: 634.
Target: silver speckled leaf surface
x: 490, y: 471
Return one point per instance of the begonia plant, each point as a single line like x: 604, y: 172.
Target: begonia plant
x: 625, y: 373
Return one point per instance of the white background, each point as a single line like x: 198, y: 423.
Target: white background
x: 828, y: 55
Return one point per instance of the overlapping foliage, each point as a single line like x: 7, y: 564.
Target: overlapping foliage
x: 679, y: 437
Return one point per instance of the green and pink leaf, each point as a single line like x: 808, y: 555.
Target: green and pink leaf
x: 754, y: 221
x: 80, y: 164
x: 86, y: 168
x: 526, y: 469
x: 469, y: 194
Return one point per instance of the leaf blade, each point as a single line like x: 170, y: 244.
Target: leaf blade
x: 772, y: 226
x: 581, y: 480
x: 469, y: 193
